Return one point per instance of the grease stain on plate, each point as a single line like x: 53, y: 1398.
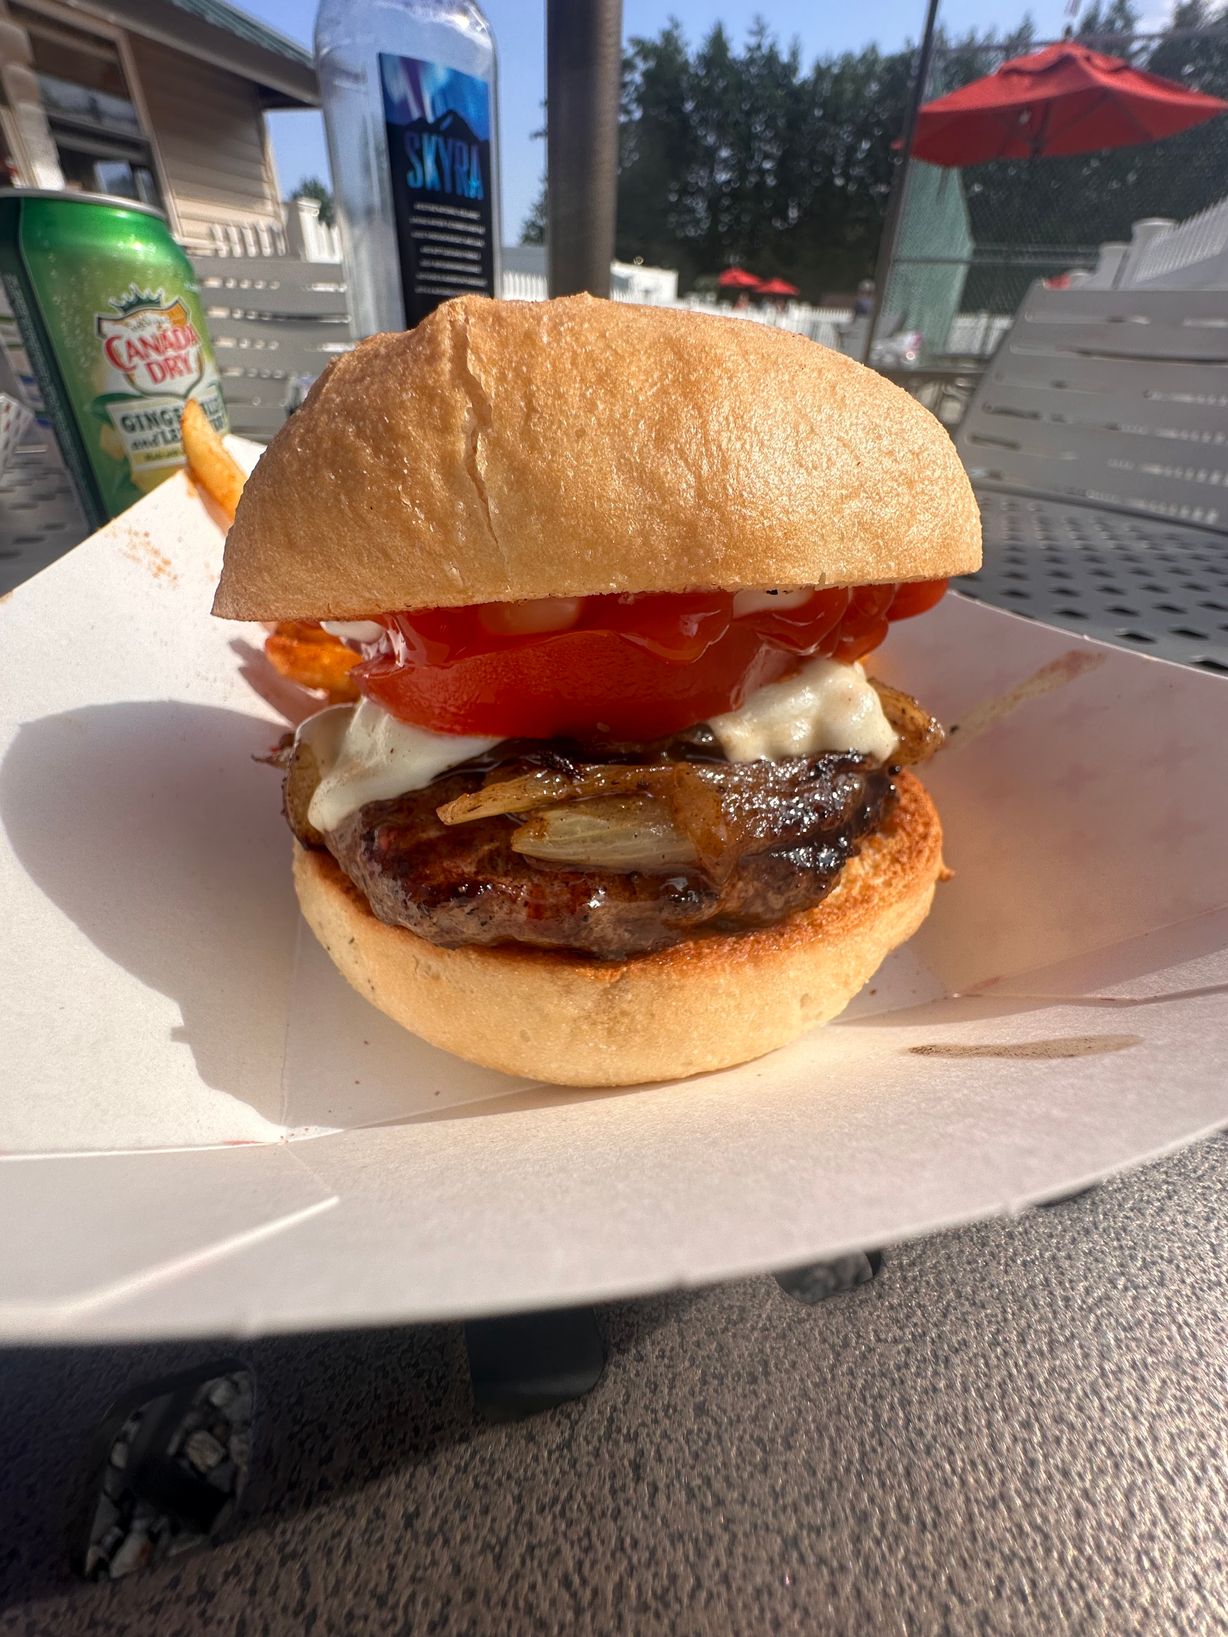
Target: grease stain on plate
x: 1078, y: 1045
x: 1059, y: 673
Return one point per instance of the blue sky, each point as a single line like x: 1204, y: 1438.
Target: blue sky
x: 519, y: 25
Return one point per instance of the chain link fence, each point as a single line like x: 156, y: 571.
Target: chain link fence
x: 972, y: 241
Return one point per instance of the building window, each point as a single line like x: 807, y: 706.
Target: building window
x: 94, y: 123
x: 86, y: 171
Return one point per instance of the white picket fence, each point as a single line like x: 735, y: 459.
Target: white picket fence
x: 1188, y: 255
x: 517, y: 286
x: 821, y: 324
x: 975, y: 335
x: 818, y: 323
x: 1166, y: 255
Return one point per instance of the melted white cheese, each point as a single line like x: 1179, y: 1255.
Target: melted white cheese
x: 367, y: 631
x: 826, y: 705
x: 769, y: 602
x: 365, y: 754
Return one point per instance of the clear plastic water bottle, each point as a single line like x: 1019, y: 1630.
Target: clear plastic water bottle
x: 409, y: 98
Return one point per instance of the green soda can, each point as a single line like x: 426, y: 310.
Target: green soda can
x: 110, y: 314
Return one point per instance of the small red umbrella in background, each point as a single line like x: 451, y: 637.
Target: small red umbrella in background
x: 777, y: 287
x: 1066, y: 99
x: 737, y: 278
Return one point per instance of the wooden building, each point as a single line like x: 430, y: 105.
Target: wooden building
x: 158, y: 100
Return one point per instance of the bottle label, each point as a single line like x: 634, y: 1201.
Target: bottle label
x: 438, y: 124
x: 153, y: 359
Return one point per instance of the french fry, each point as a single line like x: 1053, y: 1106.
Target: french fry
x: 213, y: 467
x: 301, y: 652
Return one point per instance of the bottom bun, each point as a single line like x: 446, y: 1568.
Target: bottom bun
x: 703, y: 1004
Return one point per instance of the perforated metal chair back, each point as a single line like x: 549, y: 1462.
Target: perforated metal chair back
x: 1113, y: 398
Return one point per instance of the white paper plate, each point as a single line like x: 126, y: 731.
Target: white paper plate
x: 205, y: 1129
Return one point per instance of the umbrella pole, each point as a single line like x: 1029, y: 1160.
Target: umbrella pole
x: 998, y: 300
x: 1026, y: 199
x: 583, y: 69
x: 895, y: 204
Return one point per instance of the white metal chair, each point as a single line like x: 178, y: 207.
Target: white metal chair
x: 1098, y: 446
x: 273, y: 320
x: 40, y: 518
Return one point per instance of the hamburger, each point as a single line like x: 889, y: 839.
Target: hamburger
x: 618, y: 800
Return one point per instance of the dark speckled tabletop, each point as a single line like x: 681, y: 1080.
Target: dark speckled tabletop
x: 1020, y: 1427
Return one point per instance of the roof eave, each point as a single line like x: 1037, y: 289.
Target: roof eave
x: 283, y: 83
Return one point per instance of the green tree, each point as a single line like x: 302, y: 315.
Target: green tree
x: 657, y: 146
x: 744, y: 155
x: 533, y: 228
x: 732, y: 156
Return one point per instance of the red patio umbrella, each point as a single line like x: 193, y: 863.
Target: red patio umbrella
x: 737, y: 278
x: 777, y: 287
x: 1065, y: 99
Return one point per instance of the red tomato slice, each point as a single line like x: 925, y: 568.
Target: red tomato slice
x: 916, y: 597
x: 621, y: 667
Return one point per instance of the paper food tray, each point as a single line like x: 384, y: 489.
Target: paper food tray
x: 204, y: 1129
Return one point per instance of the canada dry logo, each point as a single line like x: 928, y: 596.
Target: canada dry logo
x: 151, y: 341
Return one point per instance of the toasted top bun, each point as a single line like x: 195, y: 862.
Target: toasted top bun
x: 507, y: 450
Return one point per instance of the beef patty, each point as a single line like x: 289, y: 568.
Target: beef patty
x: 786, y: 829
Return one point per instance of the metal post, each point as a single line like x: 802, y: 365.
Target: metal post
x: 895, y: 205
x: 583, y: 71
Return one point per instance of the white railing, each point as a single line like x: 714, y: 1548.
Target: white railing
x: 302, y: 236
x: 1166, y: 255
x: 1198, y: 246
x: 246, y: 239
x: 652, y: 285
x: 518, y: 286
x: 307, y: 236
x: 976, y: 335
x: 821, y: 324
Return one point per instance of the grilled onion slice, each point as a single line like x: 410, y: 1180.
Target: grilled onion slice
x: 919, y: 733
x: 546, y: 787
x: 606, y: 833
